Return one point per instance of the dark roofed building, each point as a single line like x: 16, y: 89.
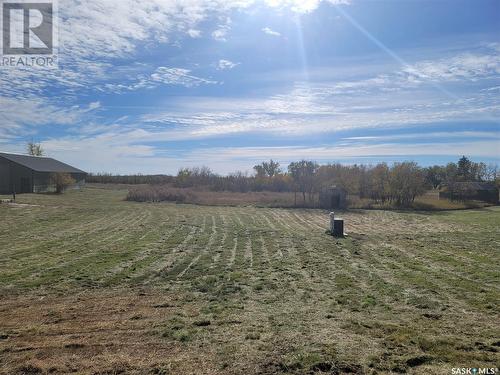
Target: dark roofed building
x: 480, y: 191
x: 332, y: 197
x: 33, y: 174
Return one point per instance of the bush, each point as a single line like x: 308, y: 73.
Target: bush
x: 62, y: 181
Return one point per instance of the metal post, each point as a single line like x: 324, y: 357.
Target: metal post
x: 332, y: 222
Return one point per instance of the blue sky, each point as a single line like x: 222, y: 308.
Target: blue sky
x: 150, y: 86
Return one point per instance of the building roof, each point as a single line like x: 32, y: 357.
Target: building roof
x: 41, y: 164
x: 475, y: 185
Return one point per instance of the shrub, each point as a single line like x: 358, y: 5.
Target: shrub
x: 62, y: 181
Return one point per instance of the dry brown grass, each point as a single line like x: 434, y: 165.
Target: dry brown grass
x: 158, y: 193
x: 97, y: 332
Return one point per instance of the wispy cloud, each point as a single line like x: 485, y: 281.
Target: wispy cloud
x: 108, y: 59
x: 123, y: 154
x: 269, y: 31
x: 21, y: 117
x: 393, y: 99
x: 178, y: 76
x: 221, y: 32
x: 357, y: 150
x: 162, y: 75
x: 91, y: 41
x: 226, y: 64
x: 466, y: 66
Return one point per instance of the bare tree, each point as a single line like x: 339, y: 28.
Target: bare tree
x: 380, y: 179
x: 492, y: 172
x: 34, y: 149
x: 303, y: 173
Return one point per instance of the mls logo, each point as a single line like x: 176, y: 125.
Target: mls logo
x: 27, y: 28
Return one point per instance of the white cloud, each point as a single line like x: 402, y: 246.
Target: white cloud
x: 22, y: 117
x: 269, y: 31
x: 93, y: 35
x: 226, y: 64
x: 178, y: 76
x: 194, y: 33
x: 355, y: 150
x: 426, y: 135
x: 315, y: 108
x: 162, y: 75
x: 121, y: 153
x: 301, y: 6
x: 94, y: 105
x: 33, y: 112
x: 220, y: 34
x: 466, y: 66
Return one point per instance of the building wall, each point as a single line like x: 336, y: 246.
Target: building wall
x: 490, y: 196
x: 5, y: 177
x: 332, y: 198
x: 22, y: 179
x: 43, y: 182
x: 15, y: 177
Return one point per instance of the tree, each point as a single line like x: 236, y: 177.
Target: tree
x: 272, y: 168
x: 62, y: 181
x: 34, y: 149
x: 197, y: 176
x: 492, y: 172
x: 464, y: 169
x: 435, y: 175
x: 380, y: 177
x: 302, y: 173
x: 259, y: 169
x: 469, y: 171
x: 406, y: 183
x: 267, y: 169
x: 478, y: 171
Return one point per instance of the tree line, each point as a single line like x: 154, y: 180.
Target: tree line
x: 398, y: 184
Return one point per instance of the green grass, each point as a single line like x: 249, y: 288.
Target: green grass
x: 258, y: 288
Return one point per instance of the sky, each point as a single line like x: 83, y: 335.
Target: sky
x: 150, y: 86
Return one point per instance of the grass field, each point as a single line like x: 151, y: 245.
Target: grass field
x: 91, y: 284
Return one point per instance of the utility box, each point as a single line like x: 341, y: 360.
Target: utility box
x: 336, y: 226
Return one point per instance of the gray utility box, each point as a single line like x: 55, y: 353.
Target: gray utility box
x: 336, y: 226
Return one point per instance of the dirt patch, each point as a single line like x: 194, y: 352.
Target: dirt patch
x: 95, y: 333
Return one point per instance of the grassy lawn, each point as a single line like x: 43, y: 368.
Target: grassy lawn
x: 91, y: 284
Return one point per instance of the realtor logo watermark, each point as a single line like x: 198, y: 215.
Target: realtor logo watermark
x: 474, y: 370
x: 28, y: 33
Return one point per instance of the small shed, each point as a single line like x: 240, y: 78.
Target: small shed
x: 332, y: 197
x: 33, y: 174
x: 480, y: 191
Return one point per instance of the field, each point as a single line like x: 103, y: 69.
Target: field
x: 92, y: 284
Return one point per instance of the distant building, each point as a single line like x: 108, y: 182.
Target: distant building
x: 480, y: 191
x: 333, y: 197
x: 33, y: 174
